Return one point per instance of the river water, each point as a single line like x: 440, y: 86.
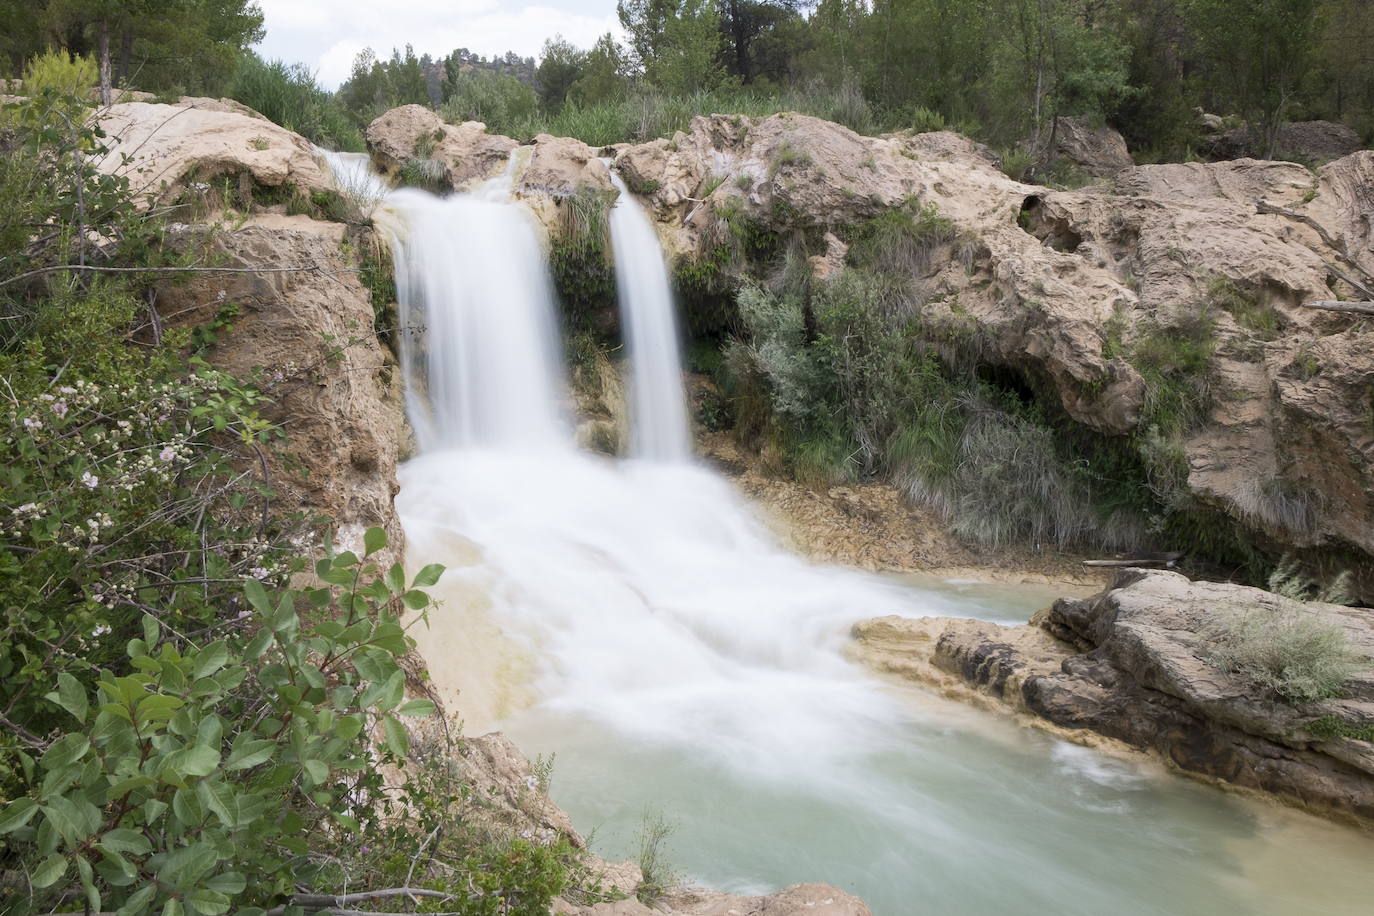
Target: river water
x: 637, y: 620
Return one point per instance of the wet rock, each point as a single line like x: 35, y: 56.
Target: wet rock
x: 1131, y: 664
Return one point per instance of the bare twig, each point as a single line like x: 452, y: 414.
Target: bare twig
x: 312, y: 268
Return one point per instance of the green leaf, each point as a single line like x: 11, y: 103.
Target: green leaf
x: 198, y: 761
x: 123, y: 840
x: 420, y: 708
x: 47, y: 874
x: 249, y: 752
x: 374, y: 539
x: 395, y: 579
x: 152, y: 629
x: 212, y: 658
x: 137, y: 904
x: 73, y: 817
x: 231, y: 882
x: 257, y: 596
x: 173, y: 908
x: 316, y: 770
x: 71, y: 696
x: 415, y: 599
x: 65, y: 750
x: 429, y: 576
x: 87, y: 874
x: 16, y: 814
x: 397, y: 739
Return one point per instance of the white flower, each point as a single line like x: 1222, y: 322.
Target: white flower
x: 167, y: 454
x: 32, y: 423
x: 100, y: 630
x: 531, y: 782
x: 66, y: 389
x: 257, y: 572
x: 90, y: 480
x: 60, y: 408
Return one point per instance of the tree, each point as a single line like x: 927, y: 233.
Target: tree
x: 746, y: 25
x: 560, y: 65
x: 604, y: 73
x: 162, y: 43
x: 1257, y: 55
x: 683, y: 52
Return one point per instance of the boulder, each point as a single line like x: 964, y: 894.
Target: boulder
x: 1131, y: 664
x: 169, y: 147
x: 462, y: 155
x: 1097, y: 150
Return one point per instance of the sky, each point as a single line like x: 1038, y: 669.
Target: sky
x: 327, y: 34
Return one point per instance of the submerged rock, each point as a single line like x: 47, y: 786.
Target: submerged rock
x: 1131, y: 664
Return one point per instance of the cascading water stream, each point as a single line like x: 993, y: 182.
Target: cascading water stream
x: 638, y: 620
x: 479, y: 340
x: 658, y: 415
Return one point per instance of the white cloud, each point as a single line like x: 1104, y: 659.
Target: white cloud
x: 327, y: 34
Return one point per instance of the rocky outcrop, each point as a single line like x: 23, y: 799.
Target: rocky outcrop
x: 1060, y: 287
x: 163, y: 148
x: 1097, y: 150
x: 302, y: 327
x: 458, y: 155
x: 1131, y: 664
x: 1305, y: 141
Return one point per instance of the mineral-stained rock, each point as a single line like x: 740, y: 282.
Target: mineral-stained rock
x: 310, y: 333
x: 465, y: 153
x: 1132, y: 664
x: 196, y: 140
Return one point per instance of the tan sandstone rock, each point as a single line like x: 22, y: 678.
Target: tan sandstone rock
x: 464, y: 154
x: 332, y: 388
x: 1131, y: 664
x: 170, y: 146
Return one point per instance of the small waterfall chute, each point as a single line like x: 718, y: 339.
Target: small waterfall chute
x: 658, y: 415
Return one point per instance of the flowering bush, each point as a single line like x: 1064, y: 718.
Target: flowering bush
x: 121, y: 499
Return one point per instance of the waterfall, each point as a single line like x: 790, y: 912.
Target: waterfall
x: 479, y: 338
x: 659, y: 428
x: 639, y: 620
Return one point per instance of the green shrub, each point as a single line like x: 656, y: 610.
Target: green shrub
x: 1244, y: 306
x: 658, y: 876
x: 196, y: 774
x: 1287, y: 649
x: 580, y: 256
x: 287, y: 94
x: 60, y: 74
x: 502, y: 102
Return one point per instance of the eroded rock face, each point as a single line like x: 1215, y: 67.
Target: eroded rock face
x: 463, y: 154
x: 309, y: 336
x: 1061, y: 285
x: 1131, y: 664
x: 196, y: 140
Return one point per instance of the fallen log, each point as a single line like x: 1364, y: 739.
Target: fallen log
x: 1356, y: 308
x: 1166, y: 559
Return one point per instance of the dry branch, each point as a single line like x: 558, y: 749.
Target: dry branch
x: 1357, y: 308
